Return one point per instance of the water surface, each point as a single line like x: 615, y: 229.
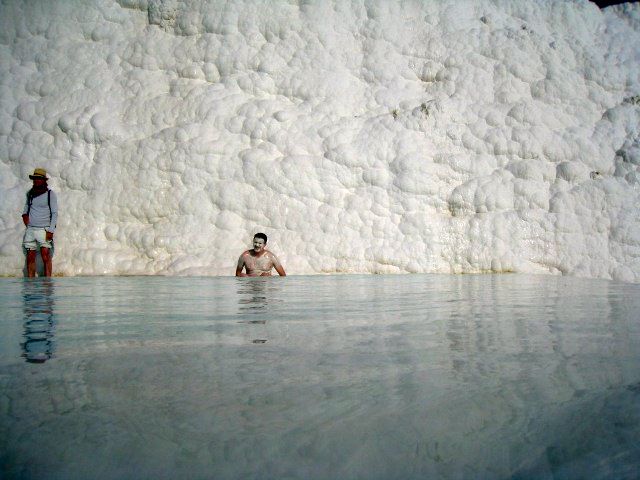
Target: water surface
x: 411, y: 376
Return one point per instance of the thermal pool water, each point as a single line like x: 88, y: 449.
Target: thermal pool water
x: 316, y: 377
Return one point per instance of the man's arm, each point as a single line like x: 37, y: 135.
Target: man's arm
x: 278, y: 266
x: 25, y: 216
x: 53, y: 203
x: 240, y: 266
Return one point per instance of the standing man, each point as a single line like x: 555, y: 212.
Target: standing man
x: 40, y: 215
x: 259, y: 261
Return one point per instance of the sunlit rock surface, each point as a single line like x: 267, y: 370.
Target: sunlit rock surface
x: 363, y: 136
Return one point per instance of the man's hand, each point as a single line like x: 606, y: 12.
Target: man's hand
x: 25, y: 219
x: 49, y: 236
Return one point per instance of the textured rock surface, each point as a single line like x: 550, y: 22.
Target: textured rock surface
x: 360, y: 136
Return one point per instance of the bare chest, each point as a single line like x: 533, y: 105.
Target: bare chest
x: 262, y: 263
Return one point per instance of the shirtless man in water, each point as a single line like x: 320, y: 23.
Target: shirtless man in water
x: 259, y: 261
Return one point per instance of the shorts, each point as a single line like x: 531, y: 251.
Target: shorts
x: 35, y: 238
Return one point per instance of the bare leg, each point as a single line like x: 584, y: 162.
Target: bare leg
x: 31, y: 263
x: 46, y: 259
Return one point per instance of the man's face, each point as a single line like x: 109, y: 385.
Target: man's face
x: 258, y: 244
x: 39, y: 182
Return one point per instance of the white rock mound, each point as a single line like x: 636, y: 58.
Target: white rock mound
x: 361, y: 136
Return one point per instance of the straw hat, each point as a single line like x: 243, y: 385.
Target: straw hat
x: 39, y: 173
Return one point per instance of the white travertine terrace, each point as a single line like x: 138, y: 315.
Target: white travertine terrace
x: 361, y: 136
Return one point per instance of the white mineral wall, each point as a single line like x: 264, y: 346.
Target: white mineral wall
x: 361, y: 136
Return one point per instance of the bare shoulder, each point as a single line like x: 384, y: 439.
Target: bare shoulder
x: 273, y: 257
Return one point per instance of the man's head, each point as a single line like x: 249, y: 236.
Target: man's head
x: 259, y: 242
x: 39, y: 177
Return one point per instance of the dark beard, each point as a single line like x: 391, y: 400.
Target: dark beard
x: 37, y: 191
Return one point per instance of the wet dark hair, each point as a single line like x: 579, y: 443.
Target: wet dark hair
x: 262, y: 236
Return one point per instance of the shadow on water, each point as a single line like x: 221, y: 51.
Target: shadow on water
x: 39, y: 319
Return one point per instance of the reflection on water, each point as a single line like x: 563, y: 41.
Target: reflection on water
x: 252, y: 295
x: 255, y: 297
x: 258, y: 295
x: 39, y: 319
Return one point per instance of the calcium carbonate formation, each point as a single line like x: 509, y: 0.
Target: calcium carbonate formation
x: 361, y: 136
